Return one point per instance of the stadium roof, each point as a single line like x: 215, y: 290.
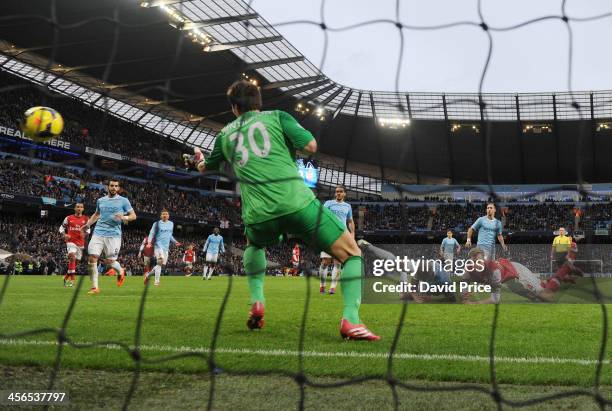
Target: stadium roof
x: 165, y: 65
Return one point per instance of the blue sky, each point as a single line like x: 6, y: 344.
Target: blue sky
x: 530, y: 59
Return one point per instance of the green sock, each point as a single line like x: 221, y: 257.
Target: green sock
x: 254, y: 260
x: 350, y: 282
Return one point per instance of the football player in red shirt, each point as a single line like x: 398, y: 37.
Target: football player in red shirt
x: 567, y: 273
x: 146, y: 252
x: 189, y: 259
x: 295, y: 260
x: 72, y: 228
x: 518, y: 278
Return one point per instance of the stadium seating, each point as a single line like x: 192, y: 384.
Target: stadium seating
x: 70, y: 185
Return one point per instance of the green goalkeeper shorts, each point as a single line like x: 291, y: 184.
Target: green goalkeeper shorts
x: 314, y: 224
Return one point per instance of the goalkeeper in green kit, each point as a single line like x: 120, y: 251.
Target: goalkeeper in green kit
x: 260, y: 146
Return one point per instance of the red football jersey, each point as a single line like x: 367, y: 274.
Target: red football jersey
x: 189, y: 254
x: 73, y: 226
x: 507, y: 270
x: 146, y: 251
x: 295, y: 258
x: 498, y: 271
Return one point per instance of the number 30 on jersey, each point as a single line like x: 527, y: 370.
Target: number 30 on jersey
x: 243, y: 152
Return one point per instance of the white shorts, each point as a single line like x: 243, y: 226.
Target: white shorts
x: 107, y: 247
x: 73, y: 248
x: 325, y: 255
x: 161, y: 254
x: 212, y: 258
x: 489, y: 252
x: 527, y: 284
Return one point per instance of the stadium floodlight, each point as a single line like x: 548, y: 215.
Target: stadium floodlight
x: 174, y: 15
x: 180, y: 22
x: 604, y: 126
x: 393, y: 122
x: 537, y: 128
x: 302, y: 108
x: 321, y: 113
x: 456, y: 127
x: 251, y: 79
x: 151, y: 102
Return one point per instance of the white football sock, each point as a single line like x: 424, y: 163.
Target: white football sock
x: 157, y: 271
x: 210, y: 272
x: 205, y: 271
x: 335, y: 275
x: 323, y: 270
x: 93, y: 274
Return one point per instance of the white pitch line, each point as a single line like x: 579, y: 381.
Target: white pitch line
x: 329, y: 354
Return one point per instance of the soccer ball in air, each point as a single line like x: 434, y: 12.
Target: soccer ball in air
x: 41, y: 123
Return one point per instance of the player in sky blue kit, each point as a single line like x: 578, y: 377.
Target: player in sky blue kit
x: 449, y: 246
x: 214, y: 245
x: 344, y: 212
x: 112, y: 210
x: 488, y: 228
x: 160, y: 237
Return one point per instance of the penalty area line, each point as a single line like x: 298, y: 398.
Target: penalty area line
x: 328, y: 354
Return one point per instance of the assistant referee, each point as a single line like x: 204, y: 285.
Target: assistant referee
x: 560, y: 246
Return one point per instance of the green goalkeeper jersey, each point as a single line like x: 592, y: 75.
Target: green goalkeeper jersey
x: 261, y: 147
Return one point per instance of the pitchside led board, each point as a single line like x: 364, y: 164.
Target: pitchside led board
x: 309, y: 173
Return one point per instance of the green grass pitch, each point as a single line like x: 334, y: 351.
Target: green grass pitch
x: 535, y: 344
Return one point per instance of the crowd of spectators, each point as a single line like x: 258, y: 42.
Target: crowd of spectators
x: 36, y: 239
x: 459, y: 217
x: 22, y: 178
x: 73, y: 184
x: 547, y: 216
x: 597, y: 215
x: 394, y: 216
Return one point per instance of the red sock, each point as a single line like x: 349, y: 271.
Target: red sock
x: 72, y: 277
x: 563, y: 272
x: 71, y: 265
